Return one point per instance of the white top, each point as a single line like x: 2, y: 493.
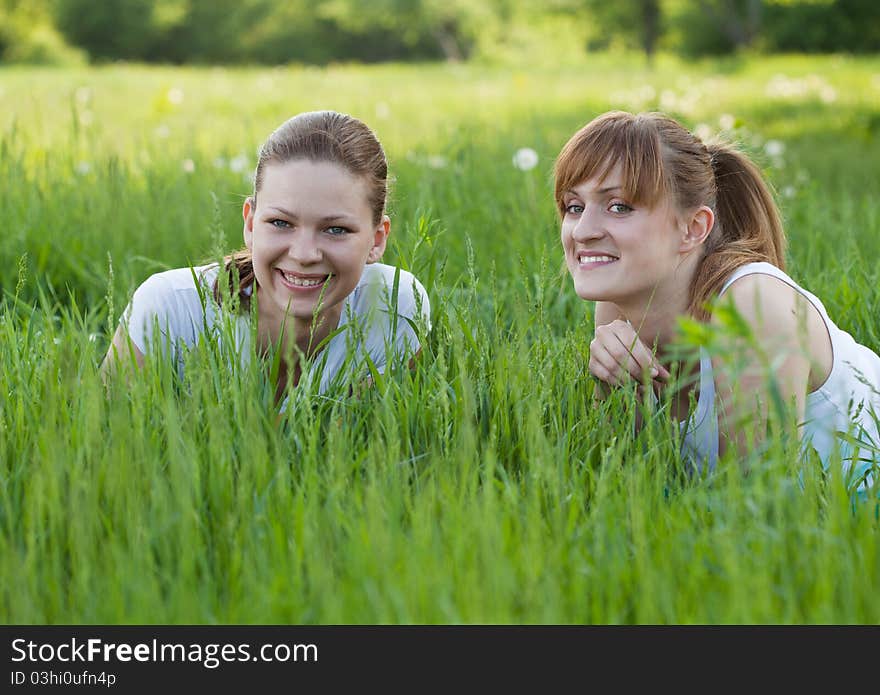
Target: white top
x: 371, y: 323
x: 842, y: 404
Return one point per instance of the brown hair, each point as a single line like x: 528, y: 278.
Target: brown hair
x: 318, y: 136
x: 660, y: 159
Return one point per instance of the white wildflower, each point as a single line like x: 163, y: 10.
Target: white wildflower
x: 83, y: 168
x: 525, y: 159
x: 726, y: 121
x: 238, y: 164
x: 162, y: 131
x: 188, y: 165
x: 703, y: 131
x: 382, y: 110
x: 175, y: 96
x: 774, y: 148
x: 436, y: 161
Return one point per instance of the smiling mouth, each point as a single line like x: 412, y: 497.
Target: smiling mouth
x: 594, y: 260
x: 302, y: 283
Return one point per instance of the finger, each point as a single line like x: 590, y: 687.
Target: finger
x: 603, y: 375
x: 600, y: 357
x: 645, y: 358
x: 632, y: 353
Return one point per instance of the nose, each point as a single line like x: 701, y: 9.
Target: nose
x: 304, y: 248
x: 588, y: 226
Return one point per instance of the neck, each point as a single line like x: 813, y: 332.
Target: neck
x: 297, y: 335
x: 655, y: 316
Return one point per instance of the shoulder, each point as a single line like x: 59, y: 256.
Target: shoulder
x: 397, y: 288
x: 768, y: 302
x: 179, y: 280
x: 177, y: 291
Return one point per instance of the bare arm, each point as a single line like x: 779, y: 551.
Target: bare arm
x: 777, y: 352
x: 120, y: 353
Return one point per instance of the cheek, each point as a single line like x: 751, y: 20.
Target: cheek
x: 565, y: 234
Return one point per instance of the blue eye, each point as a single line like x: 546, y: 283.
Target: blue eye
x: 620, y: 208
x: 336, y: 231
x: 574, y: 209
x: 280, y: 224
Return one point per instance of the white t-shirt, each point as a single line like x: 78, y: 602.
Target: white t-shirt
x: 844, y: 403
x: 372, y: 324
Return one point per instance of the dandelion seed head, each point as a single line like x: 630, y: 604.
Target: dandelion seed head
x: 238, y: 164
x: 162, y: 131
x: 188, y: 165
x: 83, y: 95
x: 436, y: 161
x: 774, y: 148
x: 789, y: 192
x: 86, y: 118
x: 525, y: 159
x: 703, y: 131
x: 382, y: 110
x: 726, y: 121
x: 175, y: 96
x: 83, y: 168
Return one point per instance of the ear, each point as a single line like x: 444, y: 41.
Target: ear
x: 247, y: 212
x: 380, y: 239
x: 697, y: 227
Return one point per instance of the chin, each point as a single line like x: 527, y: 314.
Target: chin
x: 589, y: 293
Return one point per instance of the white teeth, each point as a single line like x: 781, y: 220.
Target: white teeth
x: 303, y: 282
x: 596, y: 259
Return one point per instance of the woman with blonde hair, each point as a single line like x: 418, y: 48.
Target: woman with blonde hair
x: 315, y: 228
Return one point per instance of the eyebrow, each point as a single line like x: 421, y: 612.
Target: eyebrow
x: 600, y: 191
x: 323, y: 220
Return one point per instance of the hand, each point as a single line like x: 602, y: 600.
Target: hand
x: 618, y: 357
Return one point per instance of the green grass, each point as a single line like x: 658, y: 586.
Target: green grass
x: 483, y: 487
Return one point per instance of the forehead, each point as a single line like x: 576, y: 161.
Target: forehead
x: 310, y: 184
x: 602, y: 178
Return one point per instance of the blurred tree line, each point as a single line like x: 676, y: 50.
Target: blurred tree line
x: 321, y: 31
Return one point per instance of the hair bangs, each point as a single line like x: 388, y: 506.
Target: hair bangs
x: 616, y: 138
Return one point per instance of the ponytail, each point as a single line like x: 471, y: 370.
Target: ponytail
x: 748, y: 226
x: 660, y: 158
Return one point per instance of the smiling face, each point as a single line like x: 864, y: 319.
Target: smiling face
x: 616, y: 250
x: 311, y: 231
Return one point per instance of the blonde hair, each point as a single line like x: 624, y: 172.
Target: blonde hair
x: 317, y: 136
x: 660, y: 159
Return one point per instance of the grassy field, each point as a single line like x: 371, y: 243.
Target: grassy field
x: 483, y: 488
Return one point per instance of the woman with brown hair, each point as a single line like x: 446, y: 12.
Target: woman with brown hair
x: 314, y: 230
x: 657, y: 225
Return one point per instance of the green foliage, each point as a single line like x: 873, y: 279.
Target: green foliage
x: 484, y: 487
x: 28, y: 35
x: 493, y: 31
x: 834, y: 25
